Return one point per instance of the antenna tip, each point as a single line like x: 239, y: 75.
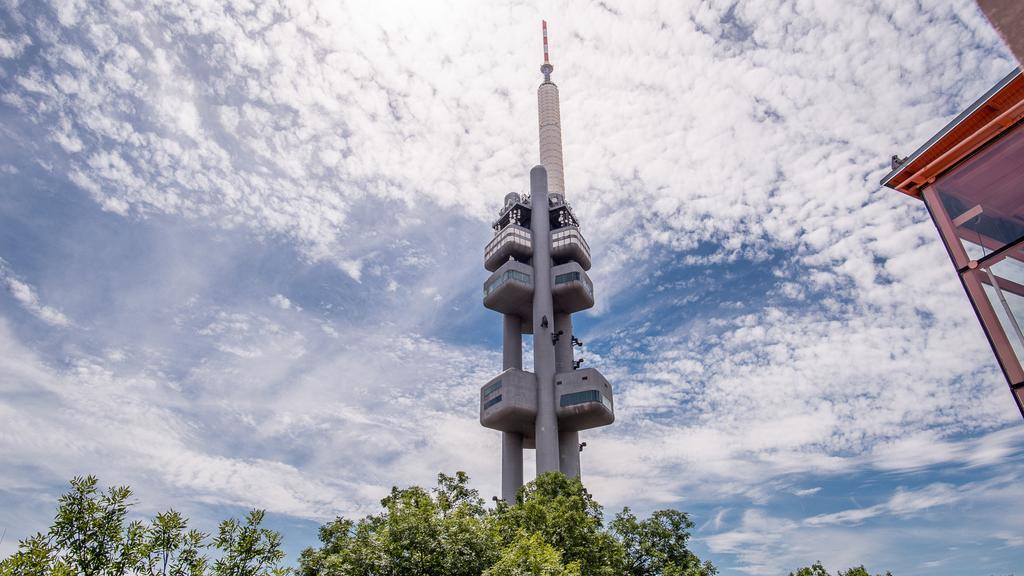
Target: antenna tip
x: 544, y: 28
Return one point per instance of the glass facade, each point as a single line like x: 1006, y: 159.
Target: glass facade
x: 583, y: 397
x: 978, y: 208
x: 492, y: 401
x: 567, y: 277
x: 508, y: 276
x: 984, y: 196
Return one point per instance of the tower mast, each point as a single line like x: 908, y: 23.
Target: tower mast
x: 550, y: 124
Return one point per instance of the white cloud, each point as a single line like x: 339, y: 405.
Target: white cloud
x: 903, y: 502
x: 13, y: 47
x: 894, y: 534
x: 807, y: 491
x: 123, y: 419
x: 26, y: 296
x: 281, y: 302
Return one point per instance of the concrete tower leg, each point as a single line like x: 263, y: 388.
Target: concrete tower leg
x: 511, y: 442
x: 563, y: 348
x: 546, y: 426
x: 569, y: 453
x: 512, y: 343
x: 568, y: 440
x: 511, y: 465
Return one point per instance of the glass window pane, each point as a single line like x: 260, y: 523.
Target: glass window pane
x: 492, y: 388
x: 984, y: 196
x: 1003, y: 283
x: 579, y: 398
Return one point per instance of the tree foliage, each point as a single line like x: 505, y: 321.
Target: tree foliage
x: 555, y: 528
x: 418, y: 533
x: 817, y: 569
x: 90, y: 536
x: 529, y: 554
x: 567, y: 517
x: 171, y: 549
x: 657, y: 545
x: 247, y: 549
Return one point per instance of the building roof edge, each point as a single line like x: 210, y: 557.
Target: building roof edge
x: 950, y: 126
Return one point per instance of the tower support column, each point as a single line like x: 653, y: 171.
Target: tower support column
x: 568, y: 440
x: 546, y: 425
x: 569, y: 453
x: 512, y: 343
x: 511, y: 465
x: 563, y: 348
x: 511, y: 442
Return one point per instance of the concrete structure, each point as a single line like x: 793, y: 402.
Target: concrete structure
x: 970, y: 177
x: 539, y: 262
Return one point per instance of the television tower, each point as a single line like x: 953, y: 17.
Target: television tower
x: 539, y: 262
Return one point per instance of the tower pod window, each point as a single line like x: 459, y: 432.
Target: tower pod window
x: 516, y: 275
x: 584, y: 397
x: 575, y: 276
x: 567, y: 277
x: 492, y: 401
x: 491, y: 388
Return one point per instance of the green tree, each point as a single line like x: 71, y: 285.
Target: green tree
x: 36, y: 556
x: 247, y: 549
x: 815, y: 569
x: 530, y: 555
x: 465, y: 542
x: 860, y: 571
x: 419, y: 533
x: 657, y: 546
x: 565, y: 516
x: 171, y: 549
x: 337, y: 555
x: 88, y: 536
x: 89, y: 530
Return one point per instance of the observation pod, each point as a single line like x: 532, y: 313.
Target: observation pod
x: 509, y: 402
x: 970, y: 177
x: 571, y: 288
x: 509, y: 290
x: 584, y: 400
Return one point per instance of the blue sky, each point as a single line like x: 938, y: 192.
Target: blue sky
x: 241, y: 259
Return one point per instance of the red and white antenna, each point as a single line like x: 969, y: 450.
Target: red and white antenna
x: 544, y: 27
x: 546, y: 68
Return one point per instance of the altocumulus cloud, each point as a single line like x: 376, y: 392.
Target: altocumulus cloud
x: 265, y: 220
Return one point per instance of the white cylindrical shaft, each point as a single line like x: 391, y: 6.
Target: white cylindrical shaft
x: 550, y: 122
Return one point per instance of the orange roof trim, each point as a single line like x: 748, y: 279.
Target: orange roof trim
x: 995, y: 112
